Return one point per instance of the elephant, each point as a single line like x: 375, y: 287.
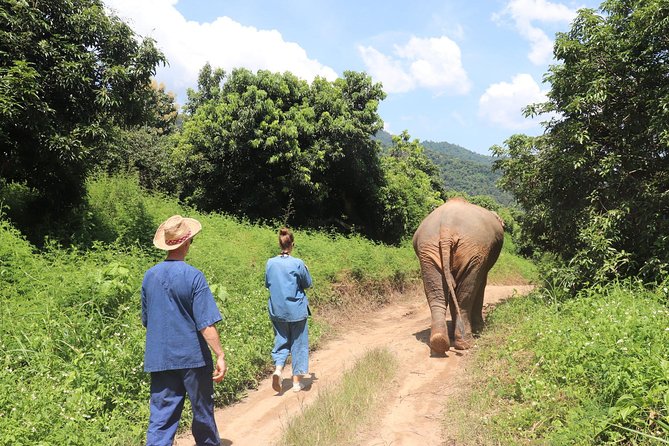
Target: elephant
x: 457, y: 244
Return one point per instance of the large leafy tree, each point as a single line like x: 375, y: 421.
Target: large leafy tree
x: 208, y: 87
x: 271, y: 146
x: 411, y: 190
x: 596, y: 184
x: 69, y: 74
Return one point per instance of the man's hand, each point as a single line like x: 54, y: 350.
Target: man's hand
x: 220, y: 369
x: 210, y: 335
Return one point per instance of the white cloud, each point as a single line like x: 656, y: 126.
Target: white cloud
x: 224, y: 43
x: 433, y: 63
x: 386, y: 70
x: 502, y: 103
x: 528, y: 16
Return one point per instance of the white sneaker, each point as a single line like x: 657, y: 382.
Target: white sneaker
x: 297, y: 386
x: 276, y: 381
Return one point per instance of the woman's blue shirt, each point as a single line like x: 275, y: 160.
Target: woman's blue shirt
x: 287, y: 277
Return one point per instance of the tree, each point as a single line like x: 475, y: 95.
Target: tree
x: 208, y: 87
x: 411, y: 190
x: 69, y: 74
x: 162, y: 111
x: 271, y: 146
x: 596, y: 185
x: 346, y: 120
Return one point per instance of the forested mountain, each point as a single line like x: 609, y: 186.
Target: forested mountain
x: 465, y: 171
x: 461, y: 170
x: 457, y: 151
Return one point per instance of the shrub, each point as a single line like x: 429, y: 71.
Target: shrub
x: 592, y: 370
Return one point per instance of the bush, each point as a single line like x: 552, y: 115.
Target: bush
x: 117, y: 211
x: 592, y: 370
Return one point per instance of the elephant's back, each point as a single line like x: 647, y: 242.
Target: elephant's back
x: 462, y: 220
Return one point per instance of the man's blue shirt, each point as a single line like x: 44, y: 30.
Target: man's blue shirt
x: 286, y: 278
x: 176, y: 304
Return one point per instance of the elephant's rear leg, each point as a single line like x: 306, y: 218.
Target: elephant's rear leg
x: 477, y: 306
x: 436, y: 299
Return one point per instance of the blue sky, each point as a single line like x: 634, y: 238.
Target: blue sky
x: 454, y: 70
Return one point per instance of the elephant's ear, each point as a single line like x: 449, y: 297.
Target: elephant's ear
x: 499, y: 219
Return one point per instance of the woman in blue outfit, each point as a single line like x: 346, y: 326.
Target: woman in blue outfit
x: 287, y: 277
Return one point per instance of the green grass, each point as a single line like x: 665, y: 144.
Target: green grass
x: 339, y: 411
x: 510, y: 269
x: 593, y: 370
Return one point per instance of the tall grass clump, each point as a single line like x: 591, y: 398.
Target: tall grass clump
x: 117, y: 210
x: 591, y: 370
x: 339, y: 411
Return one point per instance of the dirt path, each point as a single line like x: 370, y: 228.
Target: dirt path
x: 412, y: 413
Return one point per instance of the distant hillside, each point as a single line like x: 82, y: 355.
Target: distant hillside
x: 385, y: 138
x: 457, y: 151
x: 461, y: 170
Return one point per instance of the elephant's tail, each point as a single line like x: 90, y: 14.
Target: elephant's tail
x: 445, y: 251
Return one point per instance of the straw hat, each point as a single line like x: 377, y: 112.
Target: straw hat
x: 175, y: 231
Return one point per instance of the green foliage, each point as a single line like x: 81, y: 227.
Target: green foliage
x: 512, y: 269
x: 68, y: 74
x: 459, y: 170
x: 595, y: 184
x: 411, y: 188
x: 117, y: 211
x: 70, y: 337
x: 306, y: 148
x: 456, y: 151
x: 592, y: 370
x: 143, y: 151
x: 208, y: 88
x: 162, y: 111
x: 16, y: 200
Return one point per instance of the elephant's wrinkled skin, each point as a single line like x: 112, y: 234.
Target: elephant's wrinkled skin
x: 456, y: 245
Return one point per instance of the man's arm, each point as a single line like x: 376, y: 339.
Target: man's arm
x: 210, y: 335
x: 144, y: 309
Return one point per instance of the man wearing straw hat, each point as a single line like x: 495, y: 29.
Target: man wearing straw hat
x: 179, y: 313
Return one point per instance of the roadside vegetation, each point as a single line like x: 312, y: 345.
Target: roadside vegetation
x: 590, y: 370
x: 512, y: 269
x: 339, y: 411
x: 96, y: 155
x: 70, y: 332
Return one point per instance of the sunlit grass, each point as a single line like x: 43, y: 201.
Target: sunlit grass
x: 75, y: 311
x: 593, y: 370
x: 339, y: 411
x: 511, y: 269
